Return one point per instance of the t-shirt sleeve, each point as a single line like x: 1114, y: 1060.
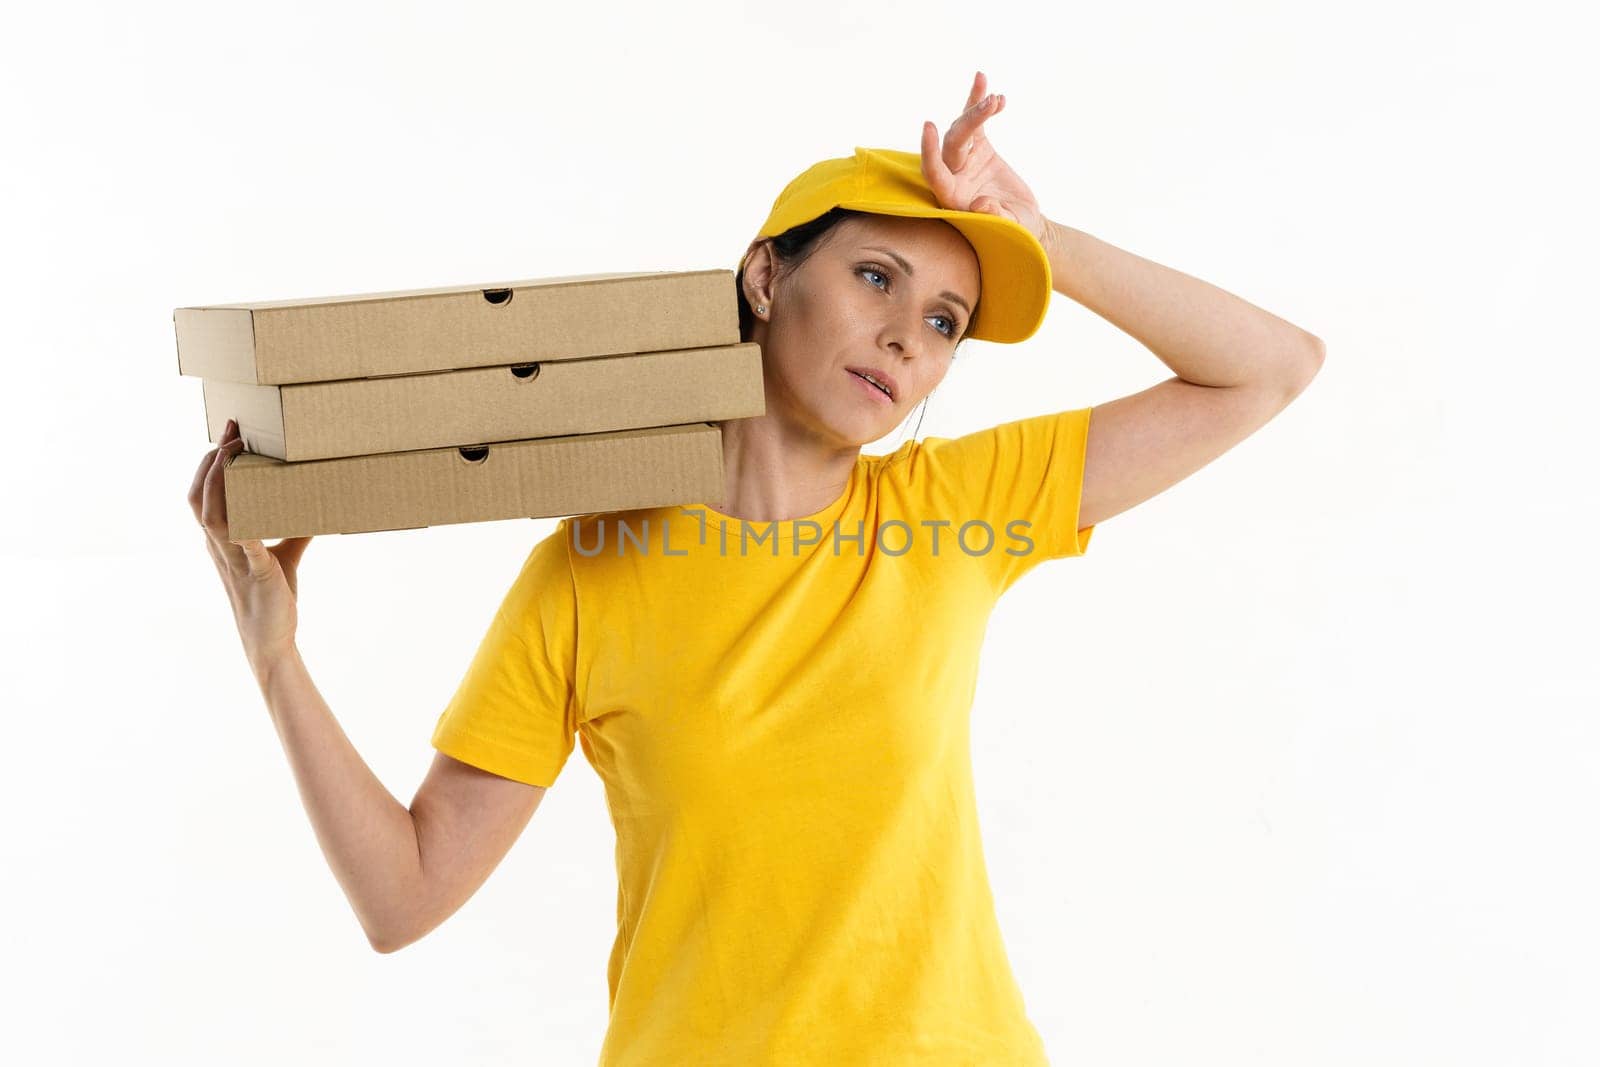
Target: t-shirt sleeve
x: 515, y: 712
x: 1024, y: 480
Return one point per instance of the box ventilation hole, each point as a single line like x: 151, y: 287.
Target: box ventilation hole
x: 526, y: 371
x: 474, y: 453
x: 497, y: 296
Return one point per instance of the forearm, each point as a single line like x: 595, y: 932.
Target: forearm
x: 368, y: 837
x: 1205, y: 334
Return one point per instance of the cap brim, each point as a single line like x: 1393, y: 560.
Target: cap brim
x: 1016, y: 281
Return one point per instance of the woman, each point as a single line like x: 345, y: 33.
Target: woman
x: 775, y: 689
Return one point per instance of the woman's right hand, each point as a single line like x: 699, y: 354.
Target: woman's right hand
x: 260, y: 581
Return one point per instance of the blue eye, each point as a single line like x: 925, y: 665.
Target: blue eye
x: 874, y: 269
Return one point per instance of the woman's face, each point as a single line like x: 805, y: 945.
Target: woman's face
x: 853, y: 304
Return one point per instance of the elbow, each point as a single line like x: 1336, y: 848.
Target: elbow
x: 386, y: 945
x: 1319, y: 352
x: 1307, y: 365
x: 385, y: 941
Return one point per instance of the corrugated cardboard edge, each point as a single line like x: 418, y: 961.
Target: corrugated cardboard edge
x: 215, y: 343
x: 258, y: 409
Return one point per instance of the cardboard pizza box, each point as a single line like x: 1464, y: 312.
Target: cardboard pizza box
x: 549, y: 476
x: 278, y: 342
x: 360, y: 416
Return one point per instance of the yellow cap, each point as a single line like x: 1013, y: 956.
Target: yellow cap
x: 1014, y: 270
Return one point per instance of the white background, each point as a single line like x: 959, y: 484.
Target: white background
x: 1297, y: 765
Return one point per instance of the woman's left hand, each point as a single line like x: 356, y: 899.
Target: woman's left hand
x: 966, y: 174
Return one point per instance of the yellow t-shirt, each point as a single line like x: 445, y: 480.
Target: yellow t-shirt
x: 779, y: 715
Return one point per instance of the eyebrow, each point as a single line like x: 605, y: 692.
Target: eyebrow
x: 947, y: 294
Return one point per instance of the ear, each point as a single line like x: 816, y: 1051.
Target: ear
x: 759, y: 269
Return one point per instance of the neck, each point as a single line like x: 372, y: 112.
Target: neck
x: 775, y: 472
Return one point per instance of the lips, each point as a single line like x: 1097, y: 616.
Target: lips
x: 885, y: 379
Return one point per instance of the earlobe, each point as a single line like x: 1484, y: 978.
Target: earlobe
x: 757, y: 301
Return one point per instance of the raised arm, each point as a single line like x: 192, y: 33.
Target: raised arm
x: 1236, y: 367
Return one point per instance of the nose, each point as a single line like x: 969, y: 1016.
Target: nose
x: 902, y: 336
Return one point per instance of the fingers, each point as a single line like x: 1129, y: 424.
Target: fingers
x: 213, y: 504
x: 289, y: 551
x: 965, y: 132
x: 980, y: 85
x: 934, y: 168
x: 976, y: 98
x: 972, y: 119
x: 197, y: 487
x: 256, y: 556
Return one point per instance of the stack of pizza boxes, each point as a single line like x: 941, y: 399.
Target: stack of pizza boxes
x: 550, y: 397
